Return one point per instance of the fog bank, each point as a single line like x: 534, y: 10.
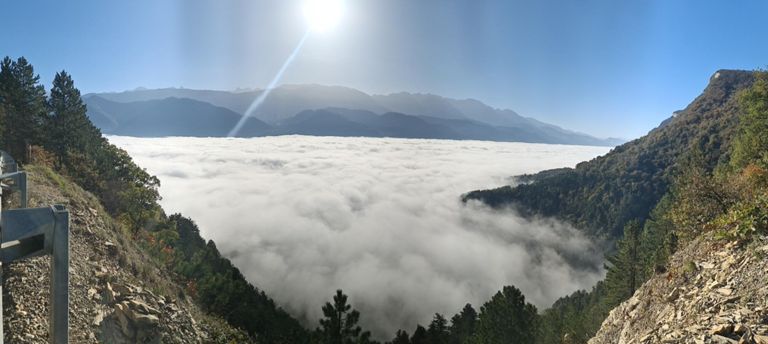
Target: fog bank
x: 379, y: 218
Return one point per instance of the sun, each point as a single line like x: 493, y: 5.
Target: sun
x: 323, y: 15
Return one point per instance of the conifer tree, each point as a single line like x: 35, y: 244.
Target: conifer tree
x: 401, y: 337
x: 658, y: 240
x: 420, y: 336
x: 463, y: 325
x: 68, y: 124
x: 24, y: 102
x: 625, y: 267
x: 507, y: 318
x: 339, y: 325
x: 438, y: 330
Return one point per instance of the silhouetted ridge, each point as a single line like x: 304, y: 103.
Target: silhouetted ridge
x: 168, y: 117
x: 417, y: 115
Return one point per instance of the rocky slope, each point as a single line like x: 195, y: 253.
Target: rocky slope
x: 715, y: 292
x: 117, y: 293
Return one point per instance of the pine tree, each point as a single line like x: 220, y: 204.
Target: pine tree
x: 659, y: 239
x: 507, y: 318
x: 437, y: 332
x: 24, y: 102
x: 401, y: 337
x: 7, y: 88
x: 68, y: 125
x: 420, y: 336
x: 625, y: 267
x: 340, y: 323
x: 463, y: 325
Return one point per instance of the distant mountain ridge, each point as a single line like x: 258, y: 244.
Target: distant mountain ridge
x: 284, y: 112
x: 168, y: 117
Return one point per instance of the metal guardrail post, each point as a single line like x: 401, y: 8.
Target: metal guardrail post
x: 19, y: 184
x: 60, y: 276
x: 33, y: 232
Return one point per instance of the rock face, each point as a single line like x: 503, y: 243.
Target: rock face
x: 137, y: 320
x: 715, y: 292
x: 117, y: 293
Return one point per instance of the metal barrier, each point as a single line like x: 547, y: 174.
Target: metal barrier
x: 32, y: 232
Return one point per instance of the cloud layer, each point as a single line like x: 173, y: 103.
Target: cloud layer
x: 379, y: 218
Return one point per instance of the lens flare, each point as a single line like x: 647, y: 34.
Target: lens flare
x: 321, y: 15
x: 263, y: 96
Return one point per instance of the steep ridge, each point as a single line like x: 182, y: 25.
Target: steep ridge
x: 117, y: 293
x: 714, y: 292
x: 712, y: 289
x: 601, y: 195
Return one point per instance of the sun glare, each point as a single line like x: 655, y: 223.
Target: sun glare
x: 323, y: 15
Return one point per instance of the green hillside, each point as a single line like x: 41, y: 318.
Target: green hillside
x: 601, y: 195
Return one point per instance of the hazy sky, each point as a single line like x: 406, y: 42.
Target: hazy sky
x: 608, y: 68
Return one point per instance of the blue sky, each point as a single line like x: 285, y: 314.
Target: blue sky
x: 605, y: 67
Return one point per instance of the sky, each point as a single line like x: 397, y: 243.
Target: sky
x: 604, y: 67
x: 379, y: 218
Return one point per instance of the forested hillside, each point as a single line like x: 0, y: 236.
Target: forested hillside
x: 712, y: 284
x: 702, y: 173
x: 601, y: 195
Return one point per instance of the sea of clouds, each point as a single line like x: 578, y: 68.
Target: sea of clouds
x: 379, y: 218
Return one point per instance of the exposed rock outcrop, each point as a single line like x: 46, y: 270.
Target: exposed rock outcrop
x: 715, y: 292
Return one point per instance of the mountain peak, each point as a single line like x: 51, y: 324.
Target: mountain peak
x: 729, y: 79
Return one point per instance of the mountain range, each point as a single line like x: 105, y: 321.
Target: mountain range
x: 321, y: 111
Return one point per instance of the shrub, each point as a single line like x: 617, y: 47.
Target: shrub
x: 745, y: 219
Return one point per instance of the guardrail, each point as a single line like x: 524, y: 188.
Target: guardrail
x: 33, y: 232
